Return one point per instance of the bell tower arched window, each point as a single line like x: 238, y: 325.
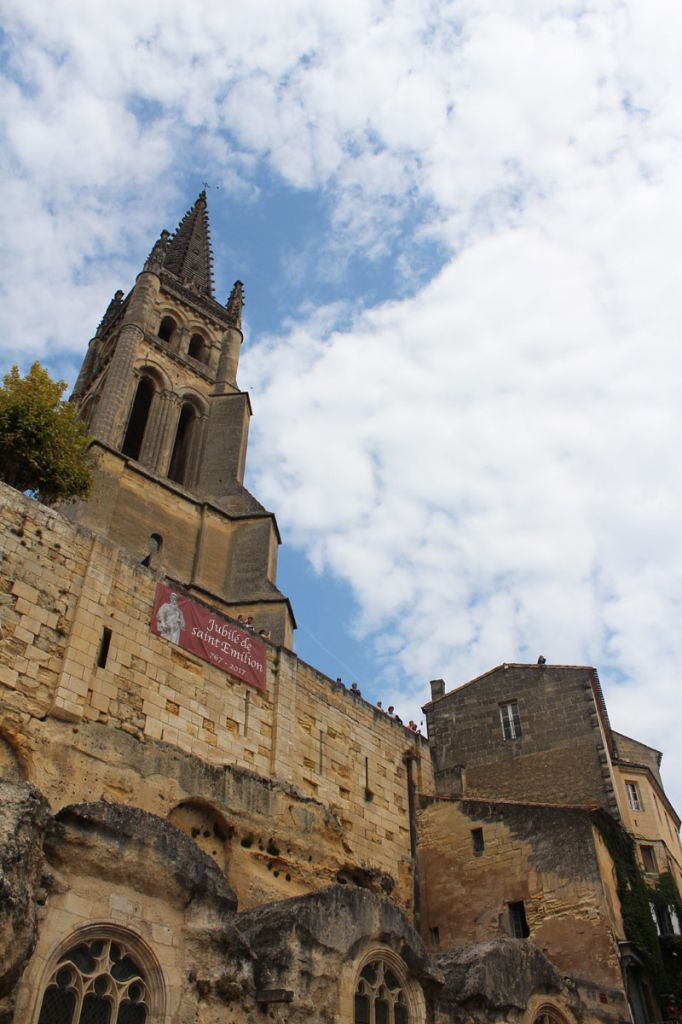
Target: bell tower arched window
x: 98, y: 981
x: 197, y: 348
x: 167, y: 328
x: 181, y: 459
x: 137, y: 421
x: 379, y: 997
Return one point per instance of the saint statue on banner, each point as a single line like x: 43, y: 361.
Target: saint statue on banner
x: 170, y: 621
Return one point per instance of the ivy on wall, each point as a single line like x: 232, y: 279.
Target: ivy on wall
x: 665, y: 894
x: 663, y: 956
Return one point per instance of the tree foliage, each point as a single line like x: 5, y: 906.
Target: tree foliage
x: 43, y: 443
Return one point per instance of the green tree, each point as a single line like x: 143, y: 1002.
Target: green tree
x: 44, y: 446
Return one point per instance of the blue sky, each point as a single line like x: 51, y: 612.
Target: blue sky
x: 458, y: 227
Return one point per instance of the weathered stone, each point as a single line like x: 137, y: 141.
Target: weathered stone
x: 336, y: 919
x: 24, y: 815
x: 131, y: 833
x: 496, y: 975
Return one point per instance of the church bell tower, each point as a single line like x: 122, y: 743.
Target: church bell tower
x: 158, y: 391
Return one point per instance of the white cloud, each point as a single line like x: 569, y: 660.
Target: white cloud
x: 491, y: 463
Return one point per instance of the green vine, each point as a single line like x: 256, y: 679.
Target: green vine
x: 635, y: 899
x: 666, y: 894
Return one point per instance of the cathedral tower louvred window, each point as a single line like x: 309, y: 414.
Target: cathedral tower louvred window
x: 97, y: 981
x: 137, y: 421
x: 180, y: 463
x: 379, y: 997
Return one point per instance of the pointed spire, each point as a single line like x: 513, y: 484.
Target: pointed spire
x: 188, y: 254
x: 235, y: 304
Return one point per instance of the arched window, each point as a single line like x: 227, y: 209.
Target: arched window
x: 167, y: 328
x: 98, y: 981
x: 180, y: 462
x: 154, y: 545
x: 549, y: 1015
x: 197, y: 348
x: 137, y: 421
x: 379, y: 997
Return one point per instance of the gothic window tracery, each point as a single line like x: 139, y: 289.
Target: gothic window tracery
x: 96, y: 981
x: 549, y: 1015
x: 379, y: 996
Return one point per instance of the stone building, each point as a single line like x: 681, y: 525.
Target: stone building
x: 197, y: 826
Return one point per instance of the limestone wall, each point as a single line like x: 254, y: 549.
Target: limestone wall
x: 560, y: 756
x: 544, y: 857
x: 157, y: 727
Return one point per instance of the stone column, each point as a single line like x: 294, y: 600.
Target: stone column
x: 108, y: 422
x: 166, y: 438
x: 197, y: 452
x: 85, y: 371
x: 110, y: 418
x: 226, y: 377
x: 155, y: 429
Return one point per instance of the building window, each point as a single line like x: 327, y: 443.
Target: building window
x: 104, y: 644
x: 379, y: 998
x: 666, y: 918
x: 97, y: 981
x: 548, y: 1015
x: 477, y: 840
x: 181, y: 463
x: 511, y: 720
x: 634, y: 798
x: 137, y: 421
x: 198, y: 349
x: 649, y: 859
x: 517, y: 920
x: 167, y: 328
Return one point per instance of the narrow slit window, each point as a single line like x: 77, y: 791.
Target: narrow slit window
x: 517, y: 920
x: 104, y: 644
x: 477, y: 840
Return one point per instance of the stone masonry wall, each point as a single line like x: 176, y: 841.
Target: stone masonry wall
x: 560, y: 757
x: 156, y: 726
x: 546, y: 857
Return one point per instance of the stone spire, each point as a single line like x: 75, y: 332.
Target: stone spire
x: 235, y: 304
x: 188, y: 254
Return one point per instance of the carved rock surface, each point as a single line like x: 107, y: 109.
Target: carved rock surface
x: 136, y: 839
x: 331, y: 925
x: 497, y: 975
x: 24, y: 815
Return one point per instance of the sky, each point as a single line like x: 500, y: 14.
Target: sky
x: 458, y: 224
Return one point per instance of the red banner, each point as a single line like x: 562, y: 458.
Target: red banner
x: 200, y: 631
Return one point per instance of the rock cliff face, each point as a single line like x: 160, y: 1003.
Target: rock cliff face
x: 136, y: 842
x: 486, y: 979
x: 24, y: 816
x: 294, y: 960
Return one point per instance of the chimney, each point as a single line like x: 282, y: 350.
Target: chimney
x: 437, y: 688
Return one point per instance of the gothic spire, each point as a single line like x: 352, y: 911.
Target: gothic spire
x: 188, y: 254
x: 235, y: 304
